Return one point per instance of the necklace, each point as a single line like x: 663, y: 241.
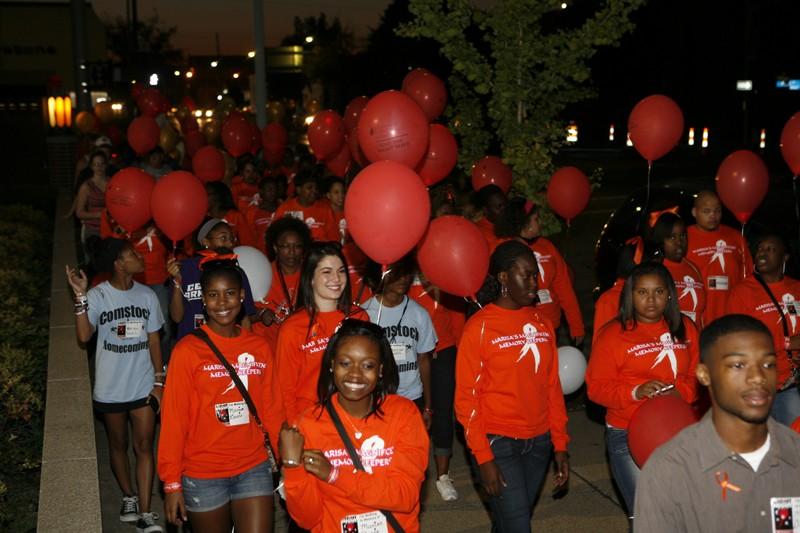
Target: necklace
x: 356, y: 433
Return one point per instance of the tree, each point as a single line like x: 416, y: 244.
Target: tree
x: 152, y: 45
x: 515, y: 68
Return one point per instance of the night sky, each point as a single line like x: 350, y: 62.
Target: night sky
x: 232, y: 19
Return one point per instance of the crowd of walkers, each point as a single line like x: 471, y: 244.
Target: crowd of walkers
x: 330, y: 389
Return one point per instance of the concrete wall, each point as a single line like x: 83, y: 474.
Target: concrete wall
x: 69, y: 494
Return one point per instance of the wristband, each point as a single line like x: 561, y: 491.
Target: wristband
x: 79, y: 312
x: 427, y: 410
x: 158, y: 384
x: 290, y: 463
x: 333, y: 476
x: 175, y: 486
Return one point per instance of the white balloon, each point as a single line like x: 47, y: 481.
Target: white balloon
x: 257, y: 268
x: 571, y: 368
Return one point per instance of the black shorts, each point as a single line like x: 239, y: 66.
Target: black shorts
x: 121, y: 407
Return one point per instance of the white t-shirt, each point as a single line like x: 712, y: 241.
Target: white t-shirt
x: 409, y: 328
x: 123, y: 319
x: 755, y: 457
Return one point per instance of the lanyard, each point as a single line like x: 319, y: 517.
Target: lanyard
x: 289, y: 299
x: 399, y: 322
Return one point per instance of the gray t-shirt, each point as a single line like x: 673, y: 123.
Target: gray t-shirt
x: 409, y: 328
x: 123, y: 319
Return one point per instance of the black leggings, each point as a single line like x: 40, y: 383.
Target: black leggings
x: 443, y: 389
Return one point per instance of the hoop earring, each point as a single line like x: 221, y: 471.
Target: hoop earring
x: 503, y: 290
x: 783, y: 268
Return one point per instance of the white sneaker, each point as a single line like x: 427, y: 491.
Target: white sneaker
x: 446, y: 489
x: 129, y: 512
x: 147, y: 524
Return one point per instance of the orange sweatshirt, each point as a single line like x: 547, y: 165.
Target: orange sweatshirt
x: 750, y: 298
x: 206, y: 428
x: 689, y: 284
x: 555, y: 288
x: 394, y: 452
x: 723, y: 259
x: 622, y: 360
x: 440, y: 316
x: 300, y: 351
x: 606, y: 308
x: 240, y: 228
x: 507, y: 379
x: 318, y: 217
x: 259, y: 220
x: 243, y: 193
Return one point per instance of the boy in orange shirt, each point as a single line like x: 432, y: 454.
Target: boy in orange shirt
x: 492, y: 200
x: 246, y: 187
x: 306, y: 206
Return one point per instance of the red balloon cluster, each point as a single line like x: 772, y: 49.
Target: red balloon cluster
x: 143, y: 134
x: 179, y: 204
x: 151, y: 102
x: 427, y: 91
x: 208, y: 164
x: 491, y: 171
x: 454, y: 240
x: 326, y: 134
x: 441, y: 156
x: 568, y: 192
x: 352, y: 112
x: 237, y: 136
x: 387, y: 209
x: 128, y: 197
x: 742, y: 183
x: 274, y: 138
x: 790, y: 143
x: 656, y: 422
x: 655, y: 126
x: 393, y: 127
x: 356, y: 152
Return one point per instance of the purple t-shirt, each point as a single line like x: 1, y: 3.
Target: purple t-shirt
x: 193, y: 315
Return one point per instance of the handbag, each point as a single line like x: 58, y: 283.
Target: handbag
x: 203, y: 336
x: 351, y: 451
x: 795, y: 378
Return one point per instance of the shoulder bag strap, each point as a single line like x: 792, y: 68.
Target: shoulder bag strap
x: 203, y: 336
x: 778, y: 308
x: 351, y: 450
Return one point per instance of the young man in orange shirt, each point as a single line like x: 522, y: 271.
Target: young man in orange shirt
x: 307, y: 207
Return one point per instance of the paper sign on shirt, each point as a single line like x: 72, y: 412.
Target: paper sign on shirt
x: 233, y: 413
x: 718, y: 283
x: 785, y: 515
x: 199, y: 320
x: 130, y: 330
x: 399, y: 352
x: 544, y: 296
x: 373, y: 522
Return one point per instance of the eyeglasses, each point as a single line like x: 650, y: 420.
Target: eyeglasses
x: 288, y: 247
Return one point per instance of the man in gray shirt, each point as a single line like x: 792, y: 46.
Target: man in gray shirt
x: 736, y: 469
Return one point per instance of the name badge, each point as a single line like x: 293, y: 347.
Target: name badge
x: 785, y: 515
x: 399, y: 352
x: 544, y: 296
x: 233, y: 413
x: 691, y: 314
x: 718, y: 283
x: 199, y: 320
x: 130, y: 330
x: 373, y: 522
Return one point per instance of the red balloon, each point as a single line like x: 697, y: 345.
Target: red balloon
x: 491, y: 171
x: 339, y: 164
x: 150, y: 102
x: 392, y: 126
x: 137, y: 90
x: 326, y: 134
x: 790, y: 143
x: 568, y: 192
x: 274, y: 138
x: 128, y: 197
x: 656, y: 422
x: 352, y: 112
x: 193, y: 141
x: 236, y: 135
x: 387, y: 210
x: 454, y: 240
x: 179, y: 204
x: 208, y: 164
x: 655, y: 126
x: 143, y: 134
x: 742, y: 182
x: 355, y: 149
x: 113, y: 132
x: 427, y: 90
x: 441, y: 156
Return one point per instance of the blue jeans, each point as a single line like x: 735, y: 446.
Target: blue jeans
x: 786, y: 407
x: 523, y: 463
x: 624, y: 470
x: 202, y: 495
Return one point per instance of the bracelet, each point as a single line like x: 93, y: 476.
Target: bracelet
x: 176, y: 283
x: 290, y: 463
x: 427, y: 410
x: 333, y: 476
x: 160, y: 374
x: 80, y: 312
x: 158, y: 384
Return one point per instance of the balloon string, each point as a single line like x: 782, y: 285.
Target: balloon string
x: 474, y: 298
x: 384, y: 271
x: 647, y: 200
x: 567, y: 239
x: 796, y: 204
x: 744, y: 243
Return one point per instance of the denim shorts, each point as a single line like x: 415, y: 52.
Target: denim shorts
x: 203, y: 495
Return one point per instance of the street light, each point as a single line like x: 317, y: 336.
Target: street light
x: 236, y: 75
x: 310, y: 39
x: 153, y: 80
x: 251, y: 54
x: 214, y: 64
x: 189, y: 74
x: 177, y: 72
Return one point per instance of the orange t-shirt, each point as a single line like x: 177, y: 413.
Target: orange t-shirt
x: 240, y: 228
x: 318, y: 217
x: 280, y: 300
x: 750, y: 298
x: 689, y: 284
x: 440, y: 316
x: 621, y: 360
x: 723, y: 259
x: 507, y: 379
x: 300, y: 350
x: 145, y: 241
x: 259, y: 220
x: 555, y: 288
x: 606, y: 308
x: 206, y: 429
x: 487, y: 229
x: 394, y: 451
x: 243, y: 193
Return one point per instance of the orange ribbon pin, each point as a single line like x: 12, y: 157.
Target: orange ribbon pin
x: 723, y: 481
